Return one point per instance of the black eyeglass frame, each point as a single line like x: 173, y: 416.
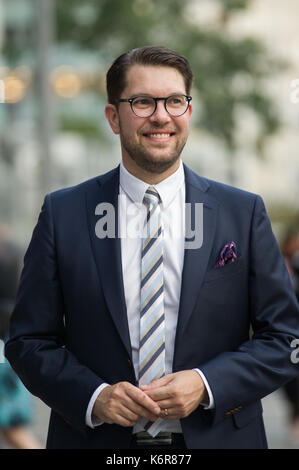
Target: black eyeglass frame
x: 131, y: 100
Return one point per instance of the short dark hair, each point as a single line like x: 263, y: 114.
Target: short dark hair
x: 147, y: 55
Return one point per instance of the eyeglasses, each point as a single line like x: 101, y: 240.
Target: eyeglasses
x: 145, y: 106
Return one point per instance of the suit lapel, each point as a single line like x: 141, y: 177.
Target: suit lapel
x: 107, y: 253
x: 196, y: 260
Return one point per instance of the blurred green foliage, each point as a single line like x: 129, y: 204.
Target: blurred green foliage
x: 229, y: 72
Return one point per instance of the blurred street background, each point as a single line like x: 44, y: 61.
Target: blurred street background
x: 244, y: 54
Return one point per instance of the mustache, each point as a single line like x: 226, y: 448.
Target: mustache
x: 160, y: 129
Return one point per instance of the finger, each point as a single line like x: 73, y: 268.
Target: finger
x: 121, y: 415
x: 131, y: 411
x: 165, y: 413
x: 163, y: 381
x: 170, y: 413
x: 142, y: 399
x: 166, y: 404
x: 124, y: 412
x: 144, y: 412
x: 132, y: 398
x: 133, y: 395
x: 128, y: 414
x: 124, y: 420
x: 128, y: 418
x: 159, y: 394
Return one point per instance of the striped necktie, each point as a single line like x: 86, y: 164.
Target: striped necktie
x: 152, y: 318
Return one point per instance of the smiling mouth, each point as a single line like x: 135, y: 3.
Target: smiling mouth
x: 159, y: 135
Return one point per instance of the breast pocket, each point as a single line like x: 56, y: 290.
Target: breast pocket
x: 225, y: 272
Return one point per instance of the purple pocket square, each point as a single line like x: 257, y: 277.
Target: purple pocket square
x: 227, y: 254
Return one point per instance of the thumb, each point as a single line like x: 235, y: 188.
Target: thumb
x: 157, y: 383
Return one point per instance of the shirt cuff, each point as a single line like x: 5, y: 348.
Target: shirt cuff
x: 211, y: 404
x: 90, y: 420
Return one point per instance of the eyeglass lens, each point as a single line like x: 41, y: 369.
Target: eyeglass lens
x: 144, y: 106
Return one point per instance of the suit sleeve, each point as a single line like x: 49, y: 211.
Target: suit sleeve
x: 262, y: 364
x: 36, y: 346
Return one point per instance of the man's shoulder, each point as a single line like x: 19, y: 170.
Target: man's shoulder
x: 225, y: 190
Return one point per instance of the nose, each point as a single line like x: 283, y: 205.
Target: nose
x: 160, y: 115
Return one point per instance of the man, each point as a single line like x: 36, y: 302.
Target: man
x: 151, y: 340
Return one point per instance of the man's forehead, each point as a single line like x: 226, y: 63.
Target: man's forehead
x: 150, y: 79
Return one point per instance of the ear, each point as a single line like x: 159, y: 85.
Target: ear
x: 190, y: 110
x: 112, y: 117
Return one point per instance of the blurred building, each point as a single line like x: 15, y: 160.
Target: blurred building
x: 37, y: 152
x: 276, y: 176
x: 71, y: 158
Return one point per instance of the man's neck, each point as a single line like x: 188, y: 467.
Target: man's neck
x: 149, y: 177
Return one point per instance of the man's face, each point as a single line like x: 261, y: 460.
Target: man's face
x: 155, y: 143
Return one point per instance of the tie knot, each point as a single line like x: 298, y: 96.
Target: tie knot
x: 151, y: 196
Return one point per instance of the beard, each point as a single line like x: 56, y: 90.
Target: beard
x: 145, y: 159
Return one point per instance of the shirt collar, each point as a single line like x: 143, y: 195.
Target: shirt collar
x: 167, y: 189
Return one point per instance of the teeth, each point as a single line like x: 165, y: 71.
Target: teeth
x: 159, y: 136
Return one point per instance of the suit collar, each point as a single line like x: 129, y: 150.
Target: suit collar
x: 107, y: 253
x: 191, y: 178
x: 167, y: 189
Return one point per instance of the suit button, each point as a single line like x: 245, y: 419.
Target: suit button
x: 129, y: 362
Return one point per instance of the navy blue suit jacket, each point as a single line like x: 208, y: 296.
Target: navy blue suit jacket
x: 69, y: 330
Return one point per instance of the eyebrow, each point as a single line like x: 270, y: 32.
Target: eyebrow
x: 152, y: 96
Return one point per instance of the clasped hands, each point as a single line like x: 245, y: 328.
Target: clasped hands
x: 174, y: 396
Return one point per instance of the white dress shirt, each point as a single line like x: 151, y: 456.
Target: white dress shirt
x: 131, y: 220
